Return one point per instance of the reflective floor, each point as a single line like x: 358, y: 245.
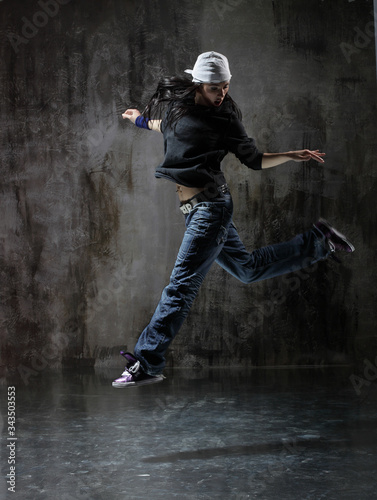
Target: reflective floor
x: 219, y: 434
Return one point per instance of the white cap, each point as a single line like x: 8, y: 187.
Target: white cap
x: 210, y: 67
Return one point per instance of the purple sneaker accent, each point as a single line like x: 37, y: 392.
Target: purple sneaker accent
x: 134, y: 375
x: 336, y: 240
x: 129, y: 357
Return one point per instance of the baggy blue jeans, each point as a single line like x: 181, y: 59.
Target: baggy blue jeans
x: 211, y: 236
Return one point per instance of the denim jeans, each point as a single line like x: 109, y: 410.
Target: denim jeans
x: 210, y: 237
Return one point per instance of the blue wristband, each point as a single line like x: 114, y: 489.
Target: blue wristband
x: 142, y: 122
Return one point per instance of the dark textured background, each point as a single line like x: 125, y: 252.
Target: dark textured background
x: 89, y: 236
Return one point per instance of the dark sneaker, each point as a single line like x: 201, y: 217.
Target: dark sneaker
x: 336, y: 240
x: 134, y: 375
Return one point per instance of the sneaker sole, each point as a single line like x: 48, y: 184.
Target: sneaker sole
x: 338, y: 234
x: 155, y: 380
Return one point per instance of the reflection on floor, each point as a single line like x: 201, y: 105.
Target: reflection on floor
x: 220, y: 434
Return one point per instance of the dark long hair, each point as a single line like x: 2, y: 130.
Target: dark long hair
x: 180, y: 93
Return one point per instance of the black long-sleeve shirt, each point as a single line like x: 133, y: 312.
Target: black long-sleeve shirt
x: 196, y: 145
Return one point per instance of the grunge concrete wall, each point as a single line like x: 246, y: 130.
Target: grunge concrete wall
x: 89, y: 236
